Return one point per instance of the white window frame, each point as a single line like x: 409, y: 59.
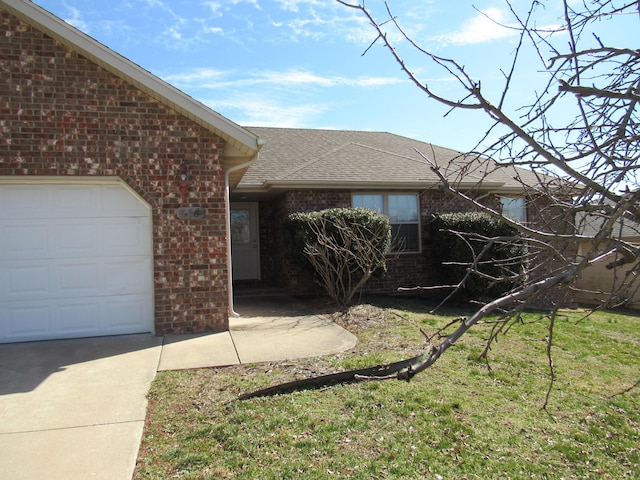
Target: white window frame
x: 385, y: 203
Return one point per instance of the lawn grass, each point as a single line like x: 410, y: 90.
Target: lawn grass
x: 457, y: 420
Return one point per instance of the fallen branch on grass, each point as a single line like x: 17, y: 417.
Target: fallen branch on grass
x: 401, y: 370
x: 407, y: 369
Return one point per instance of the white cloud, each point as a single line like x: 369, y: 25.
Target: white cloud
x: 250, y: 2
x: 294, y: 5
x: 362, y: 33
x: 285, y: 98
x: 155, y: 3
x: 258, y: 110
x: 219, y: 8
x: 213, y: 30
x: 488, y: 25
x: 217, y: 79
x: 320, y: 19
x: 76, y: 20
x: 215, y: 8
x: 116, y: 28
x: 196, y: 76
x: 304, y: 78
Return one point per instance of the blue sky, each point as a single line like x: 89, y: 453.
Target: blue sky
x: 299, y: 63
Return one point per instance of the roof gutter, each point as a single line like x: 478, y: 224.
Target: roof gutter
x: 227, y: 200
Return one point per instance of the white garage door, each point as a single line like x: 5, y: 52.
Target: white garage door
x: 75, y: 261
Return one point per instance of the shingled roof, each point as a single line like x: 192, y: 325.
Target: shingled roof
x: 314, y: 158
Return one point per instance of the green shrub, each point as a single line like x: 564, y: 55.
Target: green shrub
x: 343, y: 247
x: 455, y: 252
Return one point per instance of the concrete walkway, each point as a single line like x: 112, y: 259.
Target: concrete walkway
x: 270, y: 328
x: 75, y: 409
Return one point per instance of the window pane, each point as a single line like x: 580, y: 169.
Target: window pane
x: 403, y: 208
x: 240, y: 227
x: 372, y: 202
x: 514, y: 208
x: 405, y: 238
x: 403, y: 213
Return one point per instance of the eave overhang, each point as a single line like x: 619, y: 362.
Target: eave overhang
x: 270, y: 185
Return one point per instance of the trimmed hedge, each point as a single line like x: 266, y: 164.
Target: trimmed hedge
x: 502, y: 260
x: 370, y: 230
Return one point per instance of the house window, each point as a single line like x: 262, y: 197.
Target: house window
x: 514, y: 208
x: 402, y: 210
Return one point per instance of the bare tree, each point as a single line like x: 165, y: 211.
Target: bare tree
x: 582, y: 129
x: 575, y: 149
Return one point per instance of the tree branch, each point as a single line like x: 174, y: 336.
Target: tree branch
x: 582, y: 91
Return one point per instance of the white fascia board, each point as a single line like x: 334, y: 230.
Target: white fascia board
x: 240, y: 138
x: 424, y: 185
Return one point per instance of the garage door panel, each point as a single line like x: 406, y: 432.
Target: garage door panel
x: 130, y: 236
x: 117, y: 202
x: 69, y: 201
x: 24, y: 201
x: 68, y: 278
x: 75, y: 260
x: 74, y: 201
x: 23, y: 239
x: 27, y: 281
x: 78, y: 318
x: 124, y: 313
x: 43, y: 280
x: 129, y: 276
x: 76, y: 239
x: 23, y: 280
x: 77, y: 279
x: 26, y: 322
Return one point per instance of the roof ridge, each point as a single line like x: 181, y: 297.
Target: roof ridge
x: 315, y: 160
x: 297, y: 168
x: 392, y: 153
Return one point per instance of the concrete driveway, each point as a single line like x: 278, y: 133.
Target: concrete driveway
x: 74, y: 409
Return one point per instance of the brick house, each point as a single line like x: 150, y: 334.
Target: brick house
x: 93, y: 151
x: 122, y: 197
x: 304, y: 170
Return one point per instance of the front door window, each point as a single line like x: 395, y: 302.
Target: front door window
x: 240, y: 227
x: 245, y: 251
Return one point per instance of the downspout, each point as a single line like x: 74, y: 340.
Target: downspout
x: 227, y: 200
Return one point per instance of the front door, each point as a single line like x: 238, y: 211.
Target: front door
x: 245, y: 250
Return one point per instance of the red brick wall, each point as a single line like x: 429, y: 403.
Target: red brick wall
x: 403, y: 270
x: 550, y: 257
x: 314, y: 200
x: 419, y: 269
x: 270, y: 219
x: 62, y: 115
x: 274, y: 265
